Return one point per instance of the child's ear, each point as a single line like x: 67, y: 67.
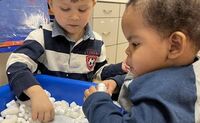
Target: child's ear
x: 95, y: 1
x: 177, y: 44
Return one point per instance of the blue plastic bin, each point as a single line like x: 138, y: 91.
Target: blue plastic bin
x: 60, y: 88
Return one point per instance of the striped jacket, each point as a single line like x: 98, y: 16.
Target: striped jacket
x: 49, y: 51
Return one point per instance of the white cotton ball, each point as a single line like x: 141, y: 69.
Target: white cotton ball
x: 12, y: 103
x: 21, y: 115
x: 101, y: 87
x: 57, y: 103
x: 82, y: 115
x: 1, y: 119
x: 81, y: 120
x: 59, y: 111
x: 28, y: 110
x: 71, y: 113
x: 22, y: 108
x: 62, y: 119
x: 52, y: 99
x: 26, y: 116
x: 10, y: 116
x: 76, y: 108
x: 36, y: 121
x: 67, y: 112
x: 73, y: 104
x: 30, y: 120
x: 74, y: 115
x: 21, y: 120
x: 64, y: 104
x: 10, y: 111
x: 11, y: 119
x: 48, y: 94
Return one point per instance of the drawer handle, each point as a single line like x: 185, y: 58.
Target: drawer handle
x: 107, y: 11
x: 106, y: 33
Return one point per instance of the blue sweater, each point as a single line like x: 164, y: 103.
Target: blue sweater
x: 164, y: 96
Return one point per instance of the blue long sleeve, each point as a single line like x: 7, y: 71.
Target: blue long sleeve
x: 164, y: 96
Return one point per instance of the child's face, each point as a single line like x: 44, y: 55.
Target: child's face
x: 72, y: 16
x: 147, y: 50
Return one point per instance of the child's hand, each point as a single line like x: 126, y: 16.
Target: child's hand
x: 125, y: 67
x: 89, y: 91
x: 42, y: 108
x: 111, y: 86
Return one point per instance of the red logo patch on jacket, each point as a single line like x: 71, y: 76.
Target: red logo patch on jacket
x: 90, y: 61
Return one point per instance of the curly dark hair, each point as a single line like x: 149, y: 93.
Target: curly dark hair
x: 168, y: 16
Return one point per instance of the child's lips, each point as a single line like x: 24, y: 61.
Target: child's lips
x: 73, y: 25
x: 130, y: 69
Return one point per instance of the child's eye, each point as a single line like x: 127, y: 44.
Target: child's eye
x: 134, y: 44
x: 65, y: 9
x: 82, y: 10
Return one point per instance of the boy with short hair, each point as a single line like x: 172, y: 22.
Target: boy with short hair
x: 66, y: 48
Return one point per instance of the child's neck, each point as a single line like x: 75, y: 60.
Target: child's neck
x: 75, y: 37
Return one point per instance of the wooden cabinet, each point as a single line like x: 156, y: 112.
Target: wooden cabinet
x: 106, y: 21
x: 120, y: 52
x: 106, y: 10
x: 107, y: 28
x: 4, y: 58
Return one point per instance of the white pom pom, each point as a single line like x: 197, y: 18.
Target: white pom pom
x: 101, y: 87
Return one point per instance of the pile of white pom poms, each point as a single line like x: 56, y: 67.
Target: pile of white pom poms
x: 20, y: 112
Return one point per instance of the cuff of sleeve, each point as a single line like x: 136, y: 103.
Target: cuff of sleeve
x: 112, y: 70
x: 95, y: 98
x: 119, y: 67
x: 119, y: 79
x: 22, y: 82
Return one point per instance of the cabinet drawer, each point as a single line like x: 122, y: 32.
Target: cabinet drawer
x: 106, y: 10
x: 107, y: 28
x: 121, y: 37
x: 111, y: 54
x: 122, y: 9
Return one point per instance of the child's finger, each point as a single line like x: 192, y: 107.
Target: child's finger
x: 34, y: 115
x: 41, y: 116
x: 106, y: 83
x: 86, y: 93
x: 47, y: 117
x: 92, y: 89
x: 89, y: 91
x: 52, y: 114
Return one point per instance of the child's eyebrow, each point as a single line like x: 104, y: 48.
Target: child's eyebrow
x: 132, y: 37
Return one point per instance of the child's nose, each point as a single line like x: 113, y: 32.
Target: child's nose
x: 75, y: 16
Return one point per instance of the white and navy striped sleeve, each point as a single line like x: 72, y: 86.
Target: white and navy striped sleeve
x: 22, y: 63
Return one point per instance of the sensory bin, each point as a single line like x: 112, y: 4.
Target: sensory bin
x: 60, y: 88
